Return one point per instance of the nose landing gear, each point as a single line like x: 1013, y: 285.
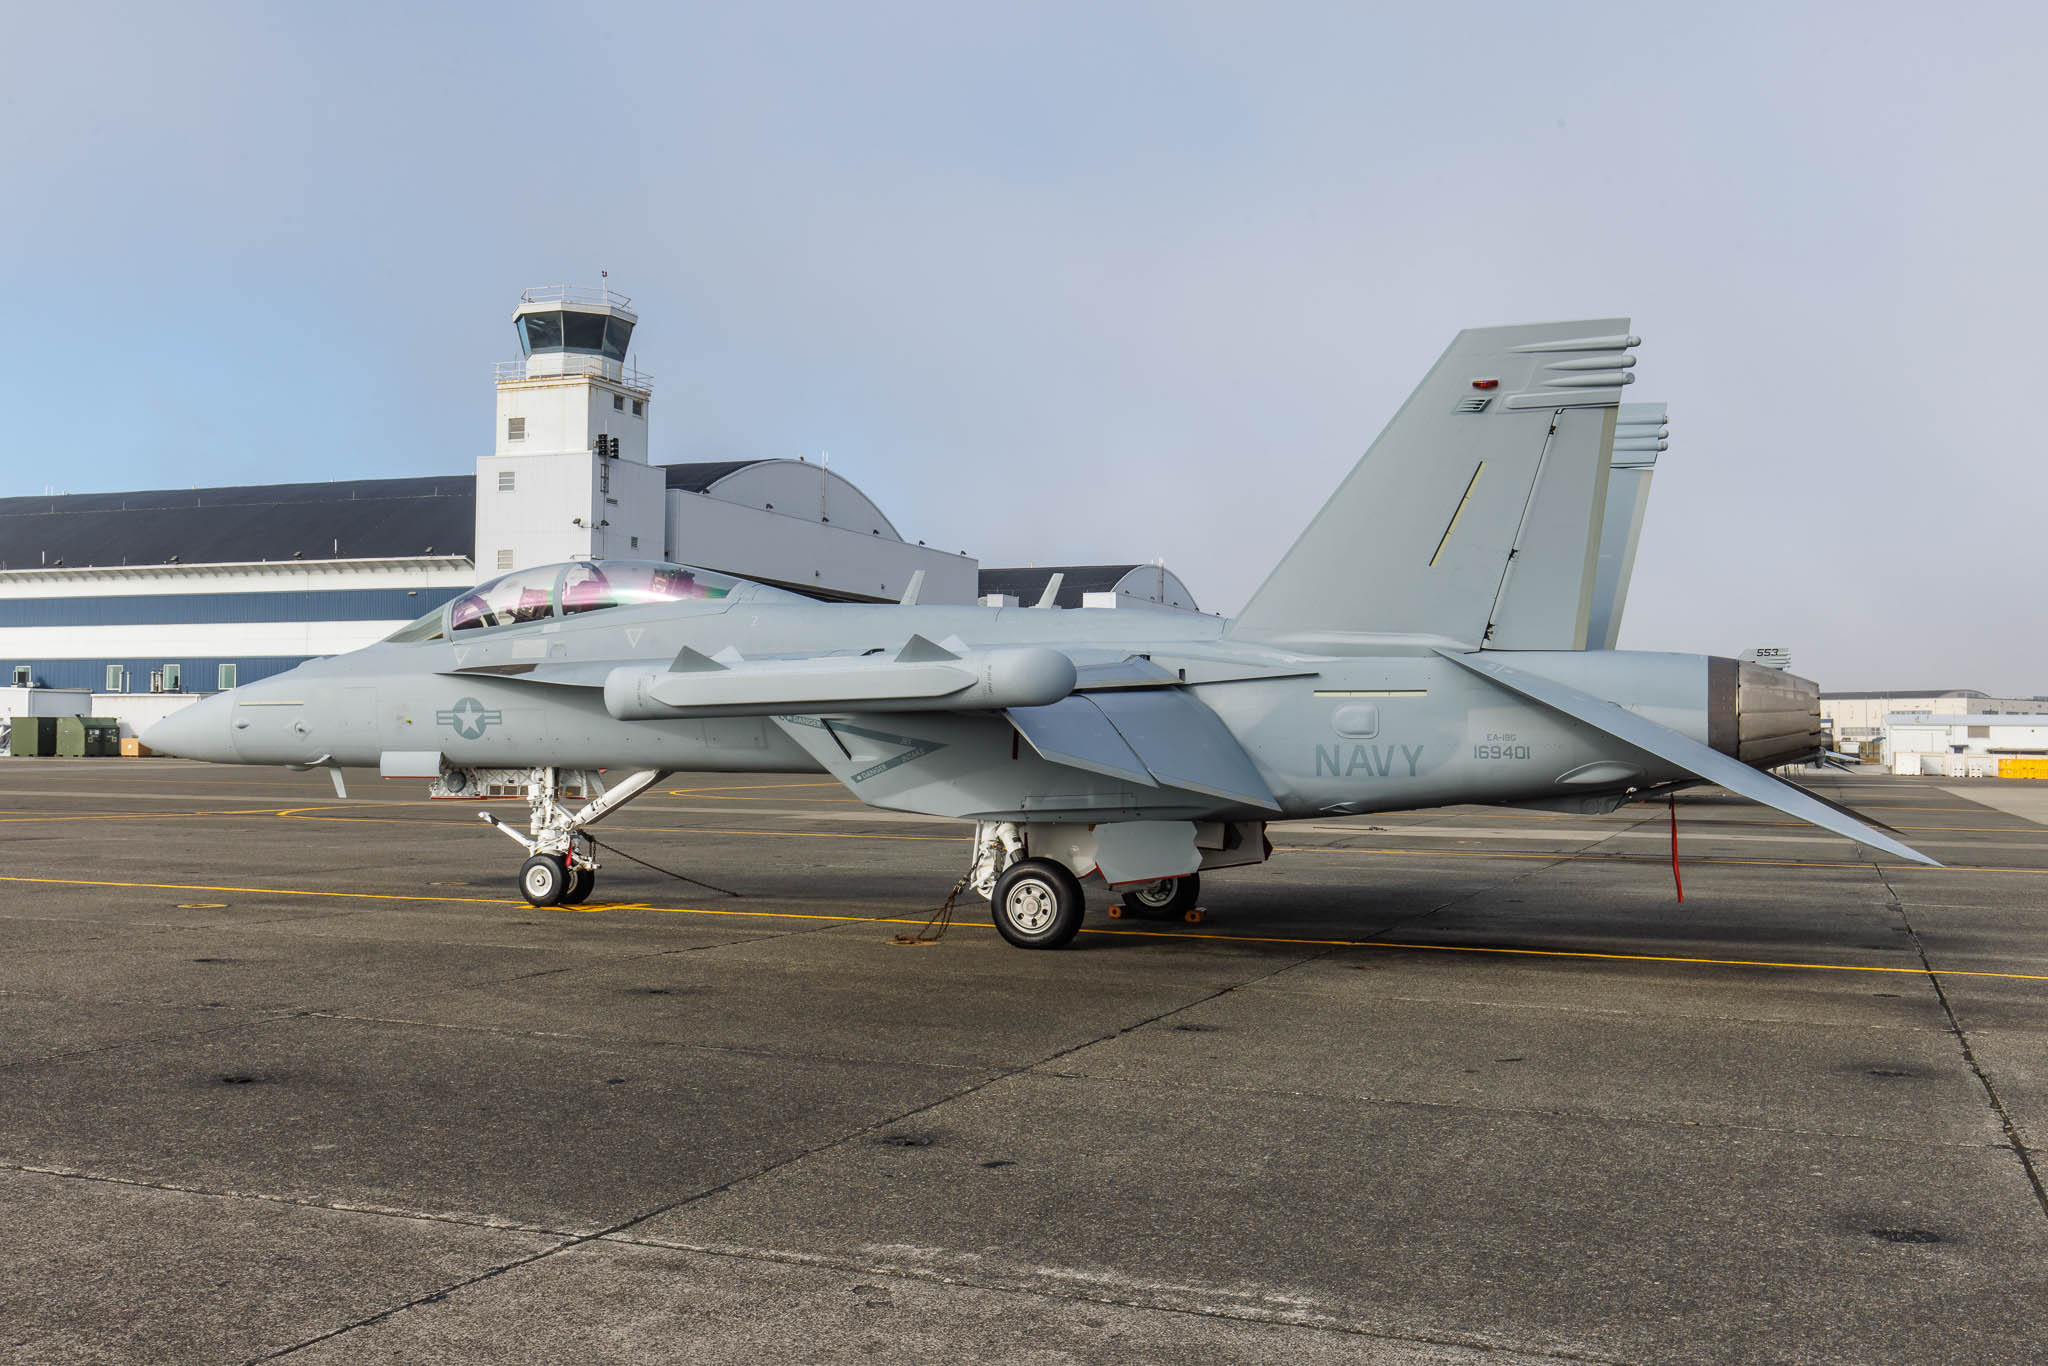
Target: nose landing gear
x: 562, y: 867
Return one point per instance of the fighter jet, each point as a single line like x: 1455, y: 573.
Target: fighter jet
x: 1424, y: 643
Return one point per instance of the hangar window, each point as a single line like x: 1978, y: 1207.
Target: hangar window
x: 1980, y: 733
x: 117, y: 678
x: 224, y: 677
x: 21, y: 676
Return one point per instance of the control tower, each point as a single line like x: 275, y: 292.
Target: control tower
x: 568, y: 477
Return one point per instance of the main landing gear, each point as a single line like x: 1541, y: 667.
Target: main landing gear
x: 1032, y: 875
x: 1038, y: 904
x: 1173, y: 898
x: 562, y: 867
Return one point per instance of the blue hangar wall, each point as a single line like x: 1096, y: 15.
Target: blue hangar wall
x: 196, y: 589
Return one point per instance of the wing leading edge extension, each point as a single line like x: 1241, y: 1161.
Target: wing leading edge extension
x: 1688, y: 754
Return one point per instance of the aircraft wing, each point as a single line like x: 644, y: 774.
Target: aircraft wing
x: 1161, y: 737
x: 1688, y: 754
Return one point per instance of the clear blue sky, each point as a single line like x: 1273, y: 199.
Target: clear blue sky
x: 1094, y: 281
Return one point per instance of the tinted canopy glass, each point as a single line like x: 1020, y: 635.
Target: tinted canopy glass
x: 557, y: 590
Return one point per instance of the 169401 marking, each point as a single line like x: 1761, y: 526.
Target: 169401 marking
x: 1500, y: 751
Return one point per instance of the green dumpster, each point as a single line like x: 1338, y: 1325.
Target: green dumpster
x: 71, y: 737
x: 33, y: 736
x: 102, y: 737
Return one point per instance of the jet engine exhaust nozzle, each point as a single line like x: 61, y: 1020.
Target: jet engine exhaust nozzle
x: 1763, y: 717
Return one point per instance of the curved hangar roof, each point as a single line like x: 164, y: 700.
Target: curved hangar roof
x: 1144, y: 582
x: 352, y: 519
x: 794, y: 487
x: 355, y: 519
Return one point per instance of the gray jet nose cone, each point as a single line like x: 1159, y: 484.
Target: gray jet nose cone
x: 198, y: 731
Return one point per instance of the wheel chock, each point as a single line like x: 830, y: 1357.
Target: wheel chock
x: 1116, y: 912
x: 1196, y: 916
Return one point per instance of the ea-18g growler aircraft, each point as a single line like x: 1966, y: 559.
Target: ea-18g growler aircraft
x: 1441, y: 633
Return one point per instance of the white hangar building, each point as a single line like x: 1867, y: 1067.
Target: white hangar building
x: 127, y: 603
x: 193, y: 590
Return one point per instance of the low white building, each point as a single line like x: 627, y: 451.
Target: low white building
x: 1858, y: 716
x: 1962, y: 746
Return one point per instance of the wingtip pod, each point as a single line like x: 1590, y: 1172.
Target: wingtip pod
x: 1688, y: 754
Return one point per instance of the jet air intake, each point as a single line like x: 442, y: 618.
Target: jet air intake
x: 921, y: 677
x: 1763, y: 717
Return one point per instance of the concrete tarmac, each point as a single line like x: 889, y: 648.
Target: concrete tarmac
x: 287, y: 1078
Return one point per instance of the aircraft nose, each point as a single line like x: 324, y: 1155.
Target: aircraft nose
x: 198, y: 731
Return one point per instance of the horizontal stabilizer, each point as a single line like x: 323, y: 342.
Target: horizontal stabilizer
x: 1688, y: 754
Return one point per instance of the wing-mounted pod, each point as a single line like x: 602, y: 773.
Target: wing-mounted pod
x: 922, y: 676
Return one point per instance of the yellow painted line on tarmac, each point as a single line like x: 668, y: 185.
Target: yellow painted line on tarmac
x: 756, y: 787
x: 1662, y: 859
x: 12, y: 818
x: 337, y: 814
x: 327, y: 813
x: 1577, y: 953
x: 587, y: 909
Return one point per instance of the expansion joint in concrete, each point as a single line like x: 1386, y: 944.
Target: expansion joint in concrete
x: 2014, y: 1138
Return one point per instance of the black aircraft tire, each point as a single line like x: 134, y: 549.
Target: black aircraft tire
x: 1037, y: 904
x: 582, y: 883
x: 543, y: 880
x: 1169, y: 898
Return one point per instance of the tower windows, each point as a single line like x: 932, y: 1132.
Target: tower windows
x: 618, y: 403
x: 504, y: 559
x: 639, y: 408
x: 515, y: 429
x: 507, y: 480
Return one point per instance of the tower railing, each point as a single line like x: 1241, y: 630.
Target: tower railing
x: 574, y: 294
x: 560, y: 366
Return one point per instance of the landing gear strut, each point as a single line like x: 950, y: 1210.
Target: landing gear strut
x: 562, y: 869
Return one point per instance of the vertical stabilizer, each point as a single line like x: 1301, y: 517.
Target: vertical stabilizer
x: 1475, y: 513
x: 1639, y: 438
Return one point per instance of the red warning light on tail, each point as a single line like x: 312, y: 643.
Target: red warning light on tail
x: 1486, y: 384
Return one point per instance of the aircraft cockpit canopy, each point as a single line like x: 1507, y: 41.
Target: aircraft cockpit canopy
x: 566, y: 590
